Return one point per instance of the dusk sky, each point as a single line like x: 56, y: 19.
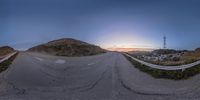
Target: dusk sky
x: 107, y: 23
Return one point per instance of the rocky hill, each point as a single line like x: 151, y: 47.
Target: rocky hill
x: 68, y: 47
x: 164, y: 51
x: 6, y: 50
x: 197, y: 50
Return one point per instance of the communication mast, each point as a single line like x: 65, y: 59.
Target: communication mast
x: 164, y: 42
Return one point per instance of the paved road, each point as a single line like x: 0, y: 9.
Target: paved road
x: 180, y: 67
x: 103, y: 77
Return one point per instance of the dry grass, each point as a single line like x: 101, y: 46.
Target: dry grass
x: 166, y: 74
x: 191, y: 56
x: 172, y: 63
x: 3, y: 53
x: 5, y: 50
x: 186, y: 58
x: 68, y: 47
x: 4, y: 65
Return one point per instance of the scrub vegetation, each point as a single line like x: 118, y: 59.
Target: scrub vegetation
x: 5, y: 64
x: 68, y: 47
x: 166, y: 74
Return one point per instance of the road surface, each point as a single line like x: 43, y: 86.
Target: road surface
x: 180, y: 67
x: 107, y: 76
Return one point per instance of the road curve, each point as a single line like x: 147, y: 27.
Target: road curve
x: 181, y: 67
x: 107, y: 76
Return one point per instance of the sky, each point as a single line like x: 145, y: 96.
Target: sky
x: 107, y: 23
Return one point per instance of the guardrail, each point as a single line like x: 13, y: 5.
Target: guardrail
x: 7, y: 57
x: 181, y: 67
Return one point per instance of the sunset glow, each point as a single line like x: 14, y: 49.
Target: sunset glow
x: 107, y: 24
x: 125, y: 40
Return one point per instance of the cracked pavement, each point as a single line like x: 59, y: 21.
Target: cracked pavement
x: 108, y: 76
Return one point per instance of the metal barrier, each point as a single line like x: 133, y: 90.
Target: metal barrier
x: 7, y: 57
x: 180, y: 67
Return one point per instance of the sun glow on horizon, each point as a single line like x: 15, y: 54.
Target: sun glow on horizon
x: 129, y: 49
x: 125, y: 40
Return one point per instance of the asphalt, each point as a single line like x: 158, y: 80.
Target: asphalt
x: 108, y: 76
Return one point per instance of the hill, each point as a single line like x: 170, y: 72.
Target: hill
x: 67, y: 47
x: 164, y: 51
x: 6, y: 50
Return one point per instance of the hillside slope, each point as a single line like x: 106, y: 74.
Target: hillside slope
x: 6, y: 50
x: 67, y: 47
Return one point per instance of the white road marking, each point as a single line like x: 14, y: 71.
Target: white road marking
x: 60, y: 61
x: 91, y: 64
x: 40, y: 59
